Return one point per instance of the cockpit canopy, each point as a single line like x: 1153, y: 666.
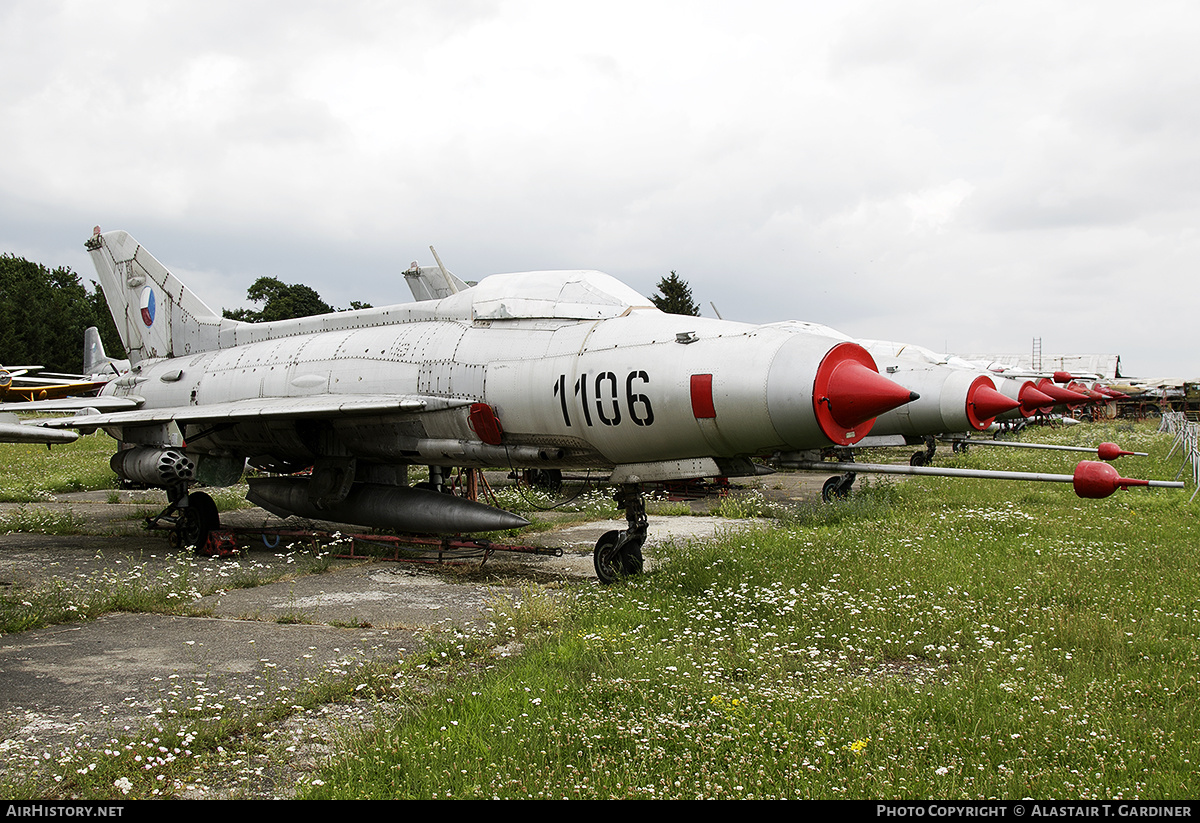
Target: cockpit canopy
x: 568, y: 295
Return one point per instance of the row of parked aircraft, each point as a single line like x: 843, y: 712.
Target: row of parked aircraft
x: 546, y: 370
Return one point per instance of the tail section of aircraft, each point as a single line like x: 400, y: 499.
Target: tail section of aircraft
x: 95, y: 360
x: 156, y: 315
x: 431, y: 283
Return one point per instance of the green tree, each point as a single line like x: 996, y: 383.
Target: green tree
x: 43, y: 314
x: 675, y: 296
x: 281, y: 301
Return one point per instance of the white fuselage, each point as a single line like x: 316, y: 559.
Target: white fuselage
x: 638, y: 387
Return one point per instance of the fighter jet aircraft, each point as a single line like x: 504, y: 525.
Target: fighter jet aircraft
x: 546, y: 370
x: 568, y: 370
x: 30, y: 384
x: 96, y: 362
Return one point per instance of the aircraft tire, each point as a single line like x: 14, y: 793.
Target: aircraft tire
x: 199, y: 518
x: 832, y: 490
x: 631, y: 557
x: 615, y: 557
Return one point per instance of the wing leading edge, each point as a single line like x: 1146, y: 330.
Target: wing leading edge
x: 276, y: 408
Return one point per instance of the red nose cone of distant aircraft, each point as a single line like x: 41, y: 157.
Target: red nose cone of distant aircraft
x: 849, y: 393
x: 1063, y: 377
x: 1062, y: 395
x: 1032, y: 399
x: 984, y: 403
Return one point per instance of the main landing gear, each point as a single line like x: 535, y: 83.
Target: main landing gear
x: 619, y: 553
x: 190, y: 517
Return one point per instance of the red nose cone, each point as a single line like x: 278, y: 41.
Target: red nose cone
x: 984, y: 403
x: 1110, y: 451
x: 857, y: 394
x: 1060, y: 394
x: 1082, y: 388
x: 849, y: 393
x: 1032, y: 400
x: 1063, y: 377
x: 1094, y: 480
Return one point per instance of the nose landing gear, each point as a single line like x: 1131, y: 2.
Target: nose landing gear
x: 619, y: 553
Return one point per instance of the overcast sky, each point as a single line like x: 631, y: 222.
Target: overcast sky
x: 961, y: 175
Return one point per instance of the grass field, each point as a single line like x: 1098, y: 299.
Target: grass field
x: 926, y: 638
x: 31, y: 472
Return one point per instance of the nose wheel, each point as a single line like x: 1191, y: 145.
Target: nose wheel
x: 619, y: 553
x: 837, y: 487
x: 924, y: 458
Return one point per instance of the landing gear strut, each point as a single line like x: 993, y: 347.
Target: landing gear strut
x: 924, y: 458
x: 189, y: 516
x: 837, y: 487
x: 619, y: 553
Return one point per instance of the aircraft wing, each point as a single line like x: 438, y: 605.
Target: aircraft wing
x: 326, y: 405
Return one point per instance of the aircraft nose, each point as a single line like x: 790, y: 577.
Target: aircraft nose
x: 1032, y: 399
x: 984, y: 403
x: 849, y: 393
x: 1060, y: 394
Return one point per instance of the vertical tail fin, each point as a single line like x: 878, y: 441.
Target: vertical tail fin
x: 427, y: 283
x: 155, y: 313
x: 95, y: 361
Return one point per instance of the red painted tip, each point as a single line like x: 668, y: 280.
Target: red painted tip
x: 1094, y: 480
x: 984, y: 403
x: 1110, y: 451
x: 849, y: 393
x: 1112, y: 394
x: 856, y: 394
x: 1063, y: 377
x: 1060, y: 394
x: 1082, y: 388
x: 1032, y: 399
